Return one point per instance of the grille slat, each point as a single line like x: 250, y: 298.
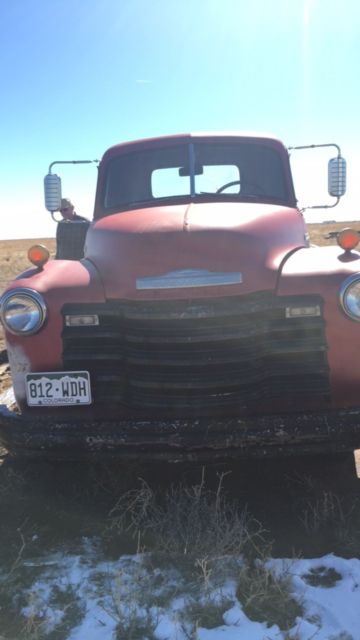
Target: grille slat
x: 194, y: 355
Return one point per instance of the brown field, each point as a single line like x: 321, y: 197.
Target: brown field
x: 13, y: 257
x: 319, y: 231
x: 13, y: 260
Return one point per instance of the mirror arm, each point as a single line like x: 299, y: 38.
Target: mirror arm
x: 315, y: 146
x: 321, y: 206
x: 72, y: 162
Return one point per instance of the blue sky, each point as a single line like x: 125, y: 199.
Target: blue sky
x: 81, y: 75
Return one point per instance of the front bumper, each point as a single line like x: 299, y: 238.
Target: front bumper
x: 180, y: 439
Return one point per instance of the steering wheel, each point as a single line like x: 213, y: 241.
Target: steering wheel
x: 257, y: 187
x: 227, y: 185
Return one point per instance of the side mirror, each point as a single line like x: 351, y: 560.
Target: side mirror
x: 52, y: 192
x: 337, y: 177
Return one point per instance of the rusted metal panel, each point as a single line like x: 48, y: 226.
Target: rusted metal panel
x: 196, y: 439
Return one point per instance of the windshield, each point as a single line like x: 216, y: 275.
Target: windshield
x: 242, y: 171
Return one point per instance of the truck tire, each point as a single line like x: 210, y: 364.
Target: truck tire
x: 70, y: 239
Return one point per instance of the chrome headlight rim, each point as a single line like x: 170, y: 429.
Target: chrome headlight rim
x: 343, y: 293
x: 34, y: 297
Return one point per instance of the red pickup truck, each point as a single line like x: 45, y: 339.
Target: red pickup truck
x: 198, y: 324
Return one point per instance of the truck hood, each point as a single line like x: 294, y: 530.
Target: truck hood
x: 193, y: 249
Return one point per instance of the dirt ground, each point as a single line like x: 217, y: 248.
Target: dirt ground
x: 13, y: 260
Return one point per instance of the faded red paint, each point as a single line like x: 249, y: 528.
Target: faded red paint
x: 249, y: 238
x: 324, y: 269
x: 263, y: 241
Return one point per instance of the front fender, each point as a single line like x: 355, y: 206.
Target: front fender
x: 322, y: 270
x: 310, y: 268
x: 59, y: 282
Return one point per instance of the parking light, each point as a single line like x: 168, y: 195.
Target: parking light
x: 38, y: 255
x: 348, y: 238
x: 81, y: 320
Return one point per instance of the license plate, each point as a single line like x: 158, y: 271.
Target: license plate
x: 62, y: 388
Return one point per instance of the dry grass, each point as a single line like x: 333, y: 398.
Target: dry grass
x: 190, y: 522
x: 13, y: 257
x: 266, y: 597
x: 208, y: 539
x: 318, y: 232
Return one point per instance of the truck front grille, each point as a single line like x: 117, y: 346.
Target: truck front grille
x: 197, y: 357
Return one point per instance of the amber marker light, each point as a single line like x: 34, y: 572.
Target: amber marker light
x: 38, y: 255
x: 348, y: 239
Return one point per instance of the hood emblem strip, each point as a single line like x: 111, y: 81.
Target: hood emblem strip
x: 186, y: 278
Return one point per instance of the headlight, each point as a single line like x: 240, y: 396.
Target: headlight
x: 23, y: 311
x: 350, y: 297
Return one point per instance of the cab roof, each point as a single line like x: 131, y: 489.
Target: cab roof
x: 187, y: 137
